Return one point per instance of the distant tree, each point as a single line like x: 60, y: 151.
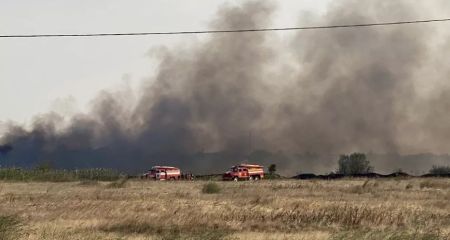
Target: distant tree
x: 355, y: 163
x: 440, y: 170
x: 272, y: 169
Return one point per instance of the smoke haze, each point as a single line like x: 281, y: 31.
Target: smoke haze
x: 238, y: 96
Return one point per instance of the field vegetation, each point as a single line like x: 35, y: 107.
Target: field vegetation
x: 403, y: 208
x: 47, y: 174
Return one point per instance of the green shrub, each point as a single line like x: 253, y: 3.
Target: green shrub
x: 273, y: 176
x: 355, y: 163
x: 210, y: 188
x: 272, y: 169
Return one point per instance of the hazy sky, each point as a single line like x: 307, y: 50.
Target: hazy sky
x: 38, y: 75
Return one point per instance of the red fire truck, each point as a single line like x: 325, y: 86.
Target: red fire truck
x: 244, y: 172
x: 163, y: 173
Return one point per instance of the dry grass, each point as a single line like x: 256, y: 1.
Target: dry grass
x: 288, y: 209
x: 9, y: 227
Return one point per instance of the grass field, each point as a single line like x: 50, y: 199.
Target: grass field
x: 284, y: 209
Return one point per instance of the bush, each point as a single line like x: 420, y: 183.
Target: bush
x: 210, y: 188
x: 273, y: 176
x: 355, y: 163
x: 440, y: 170
x: 272, y: 169
x: 409, y: 186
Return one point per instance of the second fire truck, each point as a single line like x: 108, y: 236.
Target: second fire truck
x: 163, y: 173
x: 244, y: 172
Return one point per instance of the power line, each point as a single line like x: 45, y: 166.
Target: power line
x: 225, y: 31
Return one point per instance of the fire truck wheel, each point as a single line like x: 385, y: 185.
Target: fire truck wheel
x: 256, y: 178
x: 235, y: 179
x: 250, y: 178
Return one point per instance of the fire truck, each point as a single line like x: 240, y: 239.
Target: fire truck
x: 244, y: 172
x: 163, y: 173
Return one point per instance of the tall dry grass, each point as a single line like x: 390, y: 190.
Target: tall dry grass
x: 285, y: 209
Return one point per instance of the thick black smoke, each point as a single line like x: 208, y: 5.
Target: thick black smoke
x: 5, y: 149
x: 217, y: 103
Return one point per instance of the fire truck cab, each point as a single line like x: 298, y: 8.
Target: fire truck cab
x: 244, y: 172
x: 163, y: 173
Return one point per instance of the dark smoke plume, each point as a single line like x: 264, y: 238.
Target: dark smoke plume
x: 4, y: 149
x: 218, y: 102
